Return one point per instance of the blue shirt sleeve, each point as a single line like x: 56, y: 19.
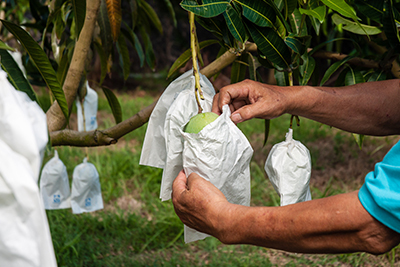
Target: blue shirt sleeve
x: 380, y: 194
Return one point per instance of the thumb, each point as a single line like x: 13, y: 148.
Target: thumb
x: 246, y: 112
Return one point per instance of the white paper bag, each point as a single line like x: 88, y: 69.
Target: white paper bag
x: 54, y: 184
x: 221, y: 154
x: 23, y: 125
x: 163, y: 143
x: 86, y: 190
x: 288, y: 167
x: 90, y: 105
x: 25, y: 238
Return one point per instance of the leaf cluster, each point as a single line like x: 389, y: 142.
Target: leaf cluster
x: 49, y: 41
x: 286, y: 33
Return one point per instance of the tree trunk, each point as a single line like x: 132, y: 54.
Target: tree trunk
x: 55, y: 117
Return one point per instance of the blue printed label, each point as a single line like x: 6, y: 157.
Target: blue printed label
x: 57, y: 199
x: 88, y: 202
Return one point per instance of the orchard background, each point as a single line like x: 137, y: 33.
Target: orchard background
x: 129, y: 50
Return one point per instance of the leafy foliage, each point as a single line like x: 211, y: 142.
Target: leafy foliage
x: 284, y: 29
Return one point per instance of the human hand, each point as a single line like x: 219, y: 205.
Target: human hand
x: 249, y: 99
x: 199, y: 204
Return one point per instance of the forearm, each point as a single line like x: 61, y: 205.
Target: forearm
x: 336, y: 224
x: 369, y: 108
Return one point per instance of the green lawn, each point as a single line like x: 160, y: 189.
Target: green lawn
x: 136, y: 229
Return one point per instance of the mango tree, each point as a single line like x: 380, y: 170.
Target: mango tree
x: 315, y: 42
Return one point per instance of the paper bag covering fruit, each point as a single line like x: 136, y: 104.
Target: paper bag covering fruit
x: 216, y: 149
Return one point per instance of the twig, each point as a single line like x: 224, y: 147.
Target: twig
x: 193, y: 47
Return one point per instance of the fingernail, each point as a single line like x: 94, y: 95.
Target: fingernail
x: 236, y: 118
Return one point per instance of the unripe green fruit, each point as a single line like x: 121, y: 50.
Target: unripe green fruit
x: 199, y: 121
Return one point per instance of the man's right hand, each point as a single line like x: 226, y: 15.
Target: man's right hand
x: 249, y: 99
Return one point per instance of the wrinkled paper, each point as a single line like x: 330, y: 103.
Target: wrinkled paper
x: 163, y: 143
x: 25, y: 238
x: 86, y: 189
x: 221, y: 154
x: 54, y: 184
x: 288, y: 167
x: 90, y: 104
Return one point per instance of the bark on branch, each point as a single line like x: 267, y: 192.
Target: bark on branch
x: 55, y: 117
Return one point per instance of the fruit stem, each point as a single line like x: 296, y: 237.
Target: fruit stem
x: 293, y: 116
x: 193, y: 38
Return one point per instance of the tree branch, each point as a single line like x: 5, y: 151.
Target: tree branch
x: 102, y: 137
x: 111, y: 135
x: 360, y: 62
x: 55, y: 117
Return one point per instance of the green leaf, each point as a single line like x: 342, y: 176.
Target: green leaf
x: 185, y: 56
x: 354, y: 27
x: 389, y: 24
x: 114, y: 104
x: 5, y: 46
x: 341, y: 7
x: 318, y: 13
x: 359, y: 139
x: 132, y: 37
x: 235, y: 24
x: 271, y: 45
x: 124, y: 56
x: 103, y: 61
x: 295, y: 19
x: 15, y: 75
x: 296, y: 45
x: 307, y: 68
x: 208, y: 9
x: 372, y: 9
x: 134, y: 10
x: 63, y: 67
x: 333, y: 68
x: 152, y: 15
x: 148, y: 48
x: 280, y: 28
x: 212, y: 25
x: 289, y: 7
x: 377, y: 76
x: 279, y: 14
x: 258, y: 12
x: 105, y: 29
x: 79, y: 7
x: 239, y: 67
x: 252, y: 67
x: 353, y: 77
x: 42, y: 63
x: 316, y: 25
x: 282, y: 78
x: 171, y: 11
x: 263, y: 60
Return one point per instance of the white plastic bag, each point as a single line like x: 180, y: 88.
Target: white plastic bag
x: 288, y: 167
x: 86, y: 190
x: 90, y: 105
x: 221, y: 154
x: 163, y: 143
x: 25, y: 238
x: 54, y: 184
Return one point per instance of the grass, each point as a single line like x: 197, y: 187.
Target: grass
x: 136, y: 229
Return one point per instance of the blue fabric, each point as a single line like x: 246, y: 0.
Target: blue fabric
x: 380, y: 194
